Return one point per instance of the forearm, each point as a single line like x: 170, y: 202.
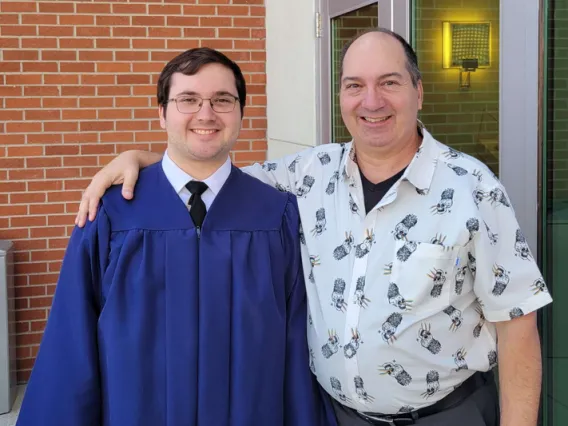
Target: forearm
x: 520, y: 372
x: 146, y: 158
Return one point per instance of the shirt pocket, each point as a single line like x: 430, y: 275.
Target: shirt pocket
x: 423, y: 275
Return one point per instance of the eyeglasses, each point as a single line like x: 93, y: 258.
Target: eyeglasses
x: 192, y: 103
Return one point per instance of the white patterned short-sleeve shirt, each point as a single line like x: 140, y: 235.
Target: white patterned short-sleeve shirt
x: 402, y: 300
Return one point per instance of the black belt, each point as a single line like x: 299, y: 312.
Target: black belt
x: 454, y: 398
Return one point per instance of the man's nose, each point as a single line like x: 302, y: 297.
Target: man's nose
x: 373, y: 100
x: 206, y: 113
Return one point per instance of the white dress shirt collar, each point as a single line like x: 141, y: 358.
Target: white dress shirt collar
x: 178, y: 179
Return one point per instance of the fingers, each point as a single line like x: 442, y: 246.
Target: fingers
x: 130, y: 178
x: 81, y: 217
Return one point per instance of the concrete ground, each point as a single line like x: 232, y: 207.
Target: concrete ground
x: 10, y: 418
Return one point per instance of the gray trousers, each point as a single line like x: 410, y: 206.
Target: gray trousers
x: 481, y: 408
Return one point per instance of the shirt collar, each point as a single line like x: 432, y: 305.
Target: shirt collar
x: 419, y: 172
x: 178, y: 178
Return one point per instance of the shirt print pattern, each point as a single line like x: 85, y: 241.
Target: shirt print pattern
x: 403, y: 300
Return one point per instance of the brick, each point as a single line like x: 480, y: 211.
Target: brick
x: 200, y: 10
x: 60, y: 126
x: 215, y: 22
x: 20, y: 55
x: 79, y: 115
x: 25, y: 151
x: 113, y: 67
x: 97, y: 79
x: 182, y: 21
x: 93, y: 8
x: 112, y: 20
x: 56, y: 243
x: 110, y: 43
x: 9, y: 19
x: 131, y: 102
x: 93, y: 31
x: 18, y: 30
x: 130, y: 125
x: 233, y: 10
x: 234, y: 33
x: 27, y: 198
x: 13, y: 210
x: 48, y: 232
x: 76, y: 43
x: 95, y: 102
x: 164, y: 32
x: 97, y: 149
x: 131, y: 56
x: 76, y: 19
x: 59, y: 55
x: 12, y: 139
x: 56, y: 7
x: 149, y: 90
x: 249, y: 44
x: 9, y: 6
x: 129, y: 32
x: 128, y: 9
x: 61, y: 150
x: 58, y: 31
x: 41, y: 91
x: 248, y: 22
x: 11, y: 115
x: 81, y: 137
x: 26, y: 174
x: 199, y: 32
x: 47, y: 209
x: 10, y: 42
x: 44, y: 138
x: 10, y: 67
x: 63, y: 196
x: 15, y: 234
x: 40, y: 302
x: 40, y: 67
x: 148, y: 21
x: 63, y: 173
x: 60, y: 102
x: 10, y: 91
x: 105, y: 114
x: 53, y: 185
x: 217, y: 44
x: 164, y: 10
x: 149, y: 44
x: 150, y: 136
x: 23, y: 127
x: 77, y: 91
x: 86, y: 126
x: 28, y: 339
x: 117, y: 137
x: 27, y: 221
x: 43, y: 114
x: 113, y: 91
x: 32, y: 314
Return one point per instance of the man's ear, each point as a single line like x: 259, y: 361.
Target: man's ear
x: 162, y: 114
x: 420, y: 94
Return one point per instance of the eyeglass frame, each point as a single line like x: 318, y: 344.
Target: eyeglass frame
x: 236, y: 98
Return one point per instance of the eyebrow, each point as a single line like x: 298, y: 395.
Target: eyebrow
x: 388, y: 75
x: 218, y: 93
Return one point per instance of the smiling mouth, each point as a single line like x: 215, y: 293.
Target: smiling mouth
x: 204, y: 131
x: 376, y: 120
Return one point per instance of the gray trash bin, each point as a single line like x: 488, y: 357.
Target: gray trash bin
x: 7, y: 328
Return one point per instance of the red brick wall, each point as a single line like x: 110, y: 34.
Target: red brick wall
x: 77, y: 87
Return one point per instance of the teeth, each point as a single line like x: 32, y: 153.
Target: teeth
x: 375, y: 120
x: 204, y: 132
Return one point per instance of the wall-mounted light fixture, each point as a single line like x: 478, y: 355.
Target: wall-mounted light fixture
x: 466, y: 45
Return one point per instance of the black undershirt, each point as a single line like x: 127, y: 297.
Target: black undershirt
x: 373, y: 193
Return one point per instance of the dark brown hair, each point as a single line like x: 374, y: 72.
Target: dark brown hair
x: 189, y: 63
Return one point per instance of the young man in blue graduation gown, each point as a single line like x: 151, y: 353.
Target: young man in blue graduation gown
x: 164, y: 316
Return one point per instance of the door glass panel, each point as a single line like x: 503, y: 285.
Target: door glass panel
x: 555, y: 213
x: 343, y: 28
x: 457, y: 44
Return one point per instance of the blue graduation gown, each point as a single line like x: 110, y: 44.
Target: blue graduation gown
x: 153, y: 324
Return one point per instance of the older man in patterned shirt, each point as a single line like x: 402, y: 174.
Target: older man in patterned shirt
x: 419, y: 279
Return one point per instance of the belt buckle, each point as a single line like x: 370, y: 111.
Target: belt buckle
x: 390, y: 421
x: 385, y: 419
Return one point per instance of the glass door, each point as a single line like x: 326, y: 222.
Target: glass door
x: 555, y: 209
x: 341, y: 20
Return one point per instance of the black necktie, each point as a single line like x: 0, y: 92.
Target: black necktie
x: 198, y: 209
